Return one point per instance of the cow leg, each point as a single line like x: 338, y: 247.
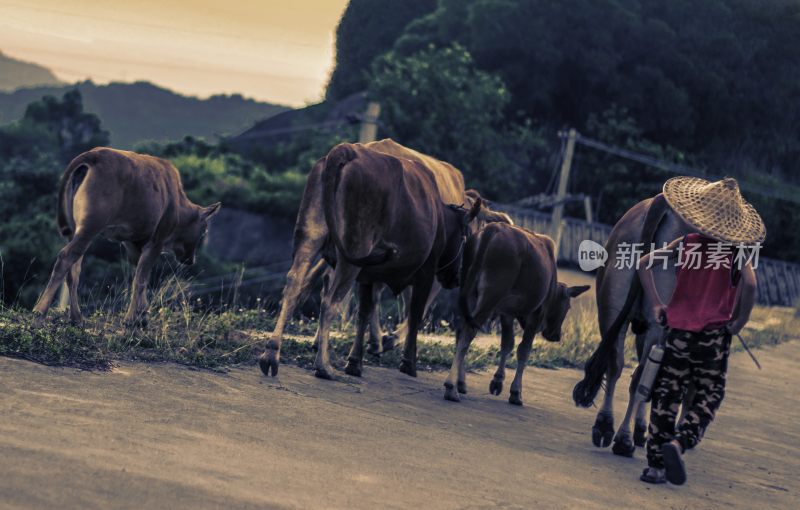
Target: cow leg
x: 365, y: 307
x: 141, y: 277
x: 73, y: 279
x: 523, y: 352
x: 343, y: 278
x: 297, y: 282
x: 603, y: 428
x: 375, y: 344
x: 389, y: 340
x: 419, y: 298
x: 133, y: 251
x: 506, y: 344
x: 455, y: 382
x: 640, y: 423
x: 623, y: 440
x: 69, y: 255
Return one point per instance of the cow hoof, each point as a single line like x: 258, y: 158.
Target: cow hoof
x: 462, y: 387
x: 623, y: 446
x: 76, y: 321
x: 450, y: 393
x: 496, y: 387
x: 408, y: 369
x: 353, y: 368
x: 603, y: 430
x: 374, y: 348
x: 324, y: 373
x: 270, y: 359
x: 389, y: 342
x: 268, y: 364
x: 38, y: 320
x: 639, y: 434
x: 515, y: 398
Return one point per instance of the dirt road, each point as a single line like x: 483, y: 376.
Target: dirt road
x: 164, y: 436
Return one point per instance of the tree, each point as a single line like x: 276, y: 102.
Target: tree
x: 57, y: 127
x: 716, y: 79
x: 368, y: 28
x: 435, y: 101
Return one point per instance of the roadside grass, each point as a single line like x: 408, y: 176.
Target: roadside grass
x: 186, y: 332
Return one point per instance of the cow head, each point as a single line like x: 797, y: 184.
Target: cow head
x: 191, y: 232
x: 557, y: 307
x: 485, y: 214
x: 457, y: 219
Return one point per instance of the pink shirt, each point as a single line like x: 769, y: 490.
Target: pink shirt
x: 704, y: 296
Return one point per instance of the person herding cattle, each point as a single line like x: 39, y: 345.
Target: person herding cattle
x: 512, y: 272
x: 127, y: 197
x: 713, y: 298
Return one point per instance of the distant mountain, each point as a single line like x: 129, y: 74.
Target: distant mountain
x: 141, y: 111
x: 15, y: 74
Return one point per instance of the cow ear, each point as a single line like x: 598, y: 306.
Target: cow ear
x: 476, y: 208
x: 472, y: 194
x: 577, y: 290
x: 207, y: 212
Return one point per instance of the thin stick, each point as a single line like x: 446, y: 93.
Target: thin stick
x: 746, y: 348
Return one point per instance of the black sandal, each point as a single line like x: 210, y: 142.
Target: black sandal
x: 676, y: 469
x: 649, y: 476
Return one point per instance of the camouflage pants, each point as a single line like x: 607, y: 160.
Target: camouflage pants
x: 689, y: 357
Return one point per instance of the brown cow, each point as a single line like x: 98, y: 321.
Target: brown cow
x: 127, y: 197
x: 311, y: 233
x: 512, y: 272
x: 388, y: 224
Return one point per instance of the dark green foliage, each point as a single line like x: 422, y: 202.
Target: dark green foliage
x: 52, y: 126
x: 56, y: 343
x: 367, y: 29
x: 718, y: 79
x: 437, y: 102
x: 211, y: 173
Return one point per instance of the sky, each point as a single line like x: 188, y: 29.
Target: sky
x: 277, y: 51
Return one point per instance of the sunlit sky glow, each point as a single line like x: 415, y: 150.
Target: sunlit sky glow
x: 277, y: 51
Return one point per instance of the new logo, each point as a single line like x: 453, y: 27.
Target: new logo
x: 591, y: 255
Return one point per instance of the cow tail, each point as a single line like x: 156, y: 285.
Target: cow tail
x: 605, y: 357
x: 336, y: 159
x: 70, y: 181
x: 470, y: 276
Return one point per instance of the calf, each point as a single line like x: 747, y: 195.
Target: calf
x: 132, y: 198
x: 511, y: 272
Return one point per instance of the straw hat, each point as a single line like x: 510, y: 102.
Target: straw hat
x: 715, y: 209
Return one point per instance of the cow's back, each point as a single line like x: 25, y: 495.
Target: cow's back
x: 132, y: 191
x: 140, y: 173
x: 449, y: 180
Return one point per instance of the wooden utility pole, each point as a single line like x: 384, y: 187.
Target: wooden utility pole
x: 369, y: 123
x: 563, y: 179
x: 587, y: 207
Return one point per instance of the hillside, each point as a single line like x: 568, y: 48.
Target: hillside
x: 135, y: 112
x: 15, y: 74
